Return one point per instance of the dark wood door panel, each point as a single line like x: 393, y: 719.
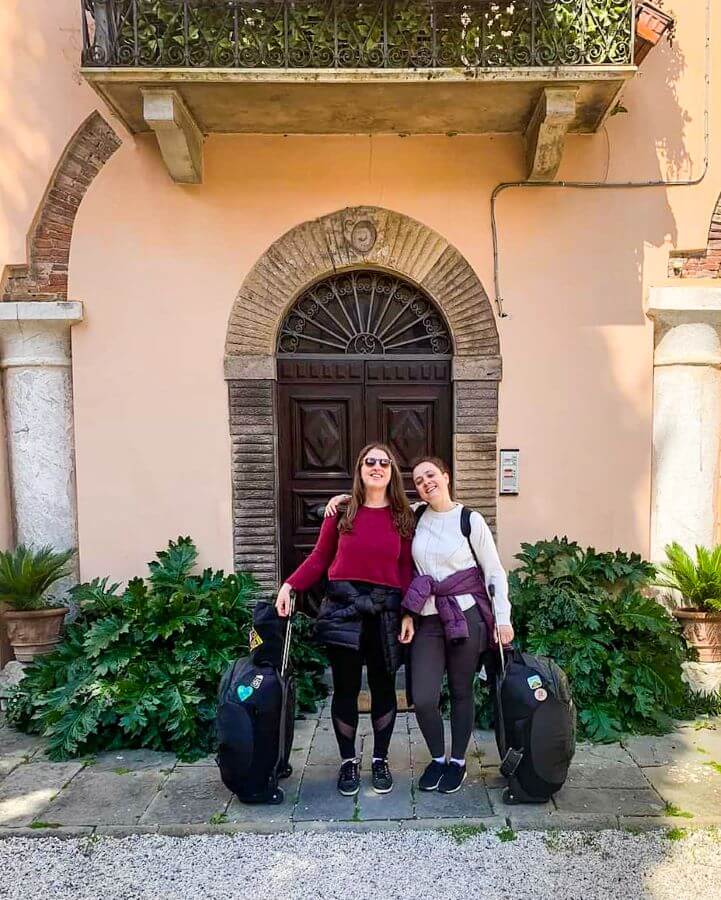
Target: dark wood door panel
x: 321, y: 428
x: 414, y: 420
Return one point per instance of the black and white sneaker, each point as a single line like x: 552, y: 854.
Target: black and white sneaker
x: 349, y: 778
x: 452, y: 778
x: 381, y: 776
x: 431, y: 778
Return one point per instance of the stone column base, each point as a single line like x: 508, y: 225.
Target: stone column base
x: 703, y: 678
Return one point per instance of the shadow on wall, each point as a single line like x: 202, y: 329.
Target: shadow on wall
x: 592, y: 474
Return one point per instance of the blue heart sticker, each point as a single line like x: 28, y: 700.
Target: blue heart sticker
x: 243, y: 691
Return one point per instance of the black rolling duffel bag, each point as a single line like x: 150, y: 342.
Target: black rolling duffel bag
x: 256, y: 713
x: 535, y: 722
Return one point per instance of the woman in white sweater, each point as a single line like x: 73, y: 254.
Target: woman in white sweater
x: 454, y: 623
x: 450, y: 602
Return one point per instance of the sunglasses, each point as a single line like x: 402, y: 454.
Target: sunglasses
x: 371, y: 461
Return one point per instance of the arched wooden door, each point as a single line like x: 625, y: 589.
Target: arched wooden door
x: 362, y: 356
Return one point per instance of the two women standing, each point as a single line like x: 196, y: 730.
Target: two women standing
x: 373, y: 605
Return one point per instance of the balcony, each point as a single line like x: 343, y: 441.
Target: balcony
x: 186, y: 68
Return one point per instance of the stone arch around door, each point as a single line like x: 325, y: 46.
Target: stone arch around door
x: 353, y: 238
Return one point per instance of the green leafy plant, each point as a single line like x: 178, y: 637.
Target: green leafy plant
x: 699, y: 581
x: 591, y: 613
x: 309, y: 664
x: 141, y: 667
x: 27, y: 574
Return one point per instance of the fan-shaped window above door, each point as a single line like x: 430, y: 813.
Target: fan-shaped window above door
x: 364, y: 313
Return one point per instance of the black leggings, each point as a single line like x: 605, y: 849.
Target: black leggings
x: 431, y: 656
x: 347, y: 667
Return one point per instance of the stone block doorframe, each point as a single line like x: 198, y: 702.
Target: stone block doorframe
x: 366, y: 238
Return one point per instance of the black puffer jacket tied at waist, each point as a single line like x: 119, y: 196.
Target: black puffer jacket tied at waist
x: 341, y: 614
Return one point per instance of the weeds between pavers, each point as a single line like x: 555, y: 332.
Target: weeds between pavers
x: 714, y: 765
x: 506, y: 834
x: 676, y: 834
x: 462, y: 833
x: 45, y: 825
x: 218, y: 819
x: 672, y: 810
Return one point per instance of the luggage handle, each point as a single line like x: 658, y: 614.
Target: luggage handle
x: 286, y: 642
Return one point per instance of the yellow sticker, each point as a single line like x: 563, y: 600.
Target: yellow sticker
x: 254, y: 639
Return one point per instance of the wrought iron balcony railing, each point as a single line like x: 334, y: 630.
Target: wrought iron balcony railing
x: 366, y: 34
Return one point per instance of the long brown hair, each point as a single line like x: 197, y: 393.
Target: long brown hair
x: 440, y: 464
x: 401, y: 513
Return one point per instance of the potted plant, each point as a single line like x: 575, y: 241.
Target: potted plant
x: 699, y: 584
x: 33, y: 620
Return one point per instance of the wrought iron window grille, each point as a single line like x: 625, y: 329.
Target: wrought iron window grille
x: 364, y: 313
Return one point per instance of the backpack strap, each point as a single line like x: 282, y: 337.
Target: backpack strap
x: 466, y: 532
x: 419, y: 510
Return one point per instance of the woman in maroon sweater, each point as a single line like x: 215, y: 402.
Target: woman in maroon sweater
x: 366, y: 553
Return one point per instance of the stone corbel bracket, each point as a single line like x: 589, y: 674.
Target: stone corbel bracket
x: 179, y: 138
x: 546, y: 133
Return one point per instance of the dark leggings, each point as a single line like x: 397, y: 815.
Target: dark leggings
x: 431, y: 656
x: 347, y: 667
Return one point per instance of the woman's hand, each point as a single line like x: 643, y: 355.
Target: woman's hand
x: 505, y: 634
x: 333, y: 504
x: 407, y: 630
x: 283, y: 601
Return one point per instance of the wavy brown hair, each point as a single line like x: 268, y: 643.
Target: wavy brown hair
x: 401, y: 513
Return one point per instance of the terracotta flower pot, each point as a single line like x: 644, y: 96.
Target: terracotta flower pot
x: 703, y: 631
x: 34, y: 632
x: 651, y: 25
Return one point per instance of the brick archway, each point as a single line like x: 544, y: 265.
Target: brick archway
x: 45, y: 275
x: 368, y: 238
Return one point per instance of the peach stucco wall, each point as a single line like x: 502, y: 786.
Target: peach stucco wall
x: 158, y: 267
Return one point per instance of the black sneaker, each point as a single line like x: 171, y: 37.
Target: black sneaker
x: 381, y: 776
x: 452, y: 778
x: 431, y: 778
x: 349, y: 778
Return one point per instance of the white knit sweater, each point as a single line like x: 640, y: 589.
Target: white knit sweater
x: 440, y: 549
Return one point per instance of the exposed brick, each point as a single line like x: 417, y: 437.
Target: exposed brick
x: 700, y: 263
x: 44, y: 277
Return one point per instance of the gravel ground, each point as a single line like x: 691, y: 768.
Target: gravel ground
x: 380, y: 865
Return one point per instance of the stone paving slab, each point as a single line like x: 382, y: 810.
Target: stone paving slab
x: 662, y: 750
x: 26, y: 793
x: 105, y: 798
x: 614, y: 802
x: 8, y: 763
x: 123, y: 761
x: 692, y: 788
x: 470, y: 801
x: 15, y: 743
x: 191, y: 795
x: 319, y: 798
x: 398, y: 804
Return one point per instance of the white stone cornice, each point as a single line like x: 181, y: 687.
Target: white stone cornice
x: 68, y: 311
x: 688, y: 325
x: 37, y: 334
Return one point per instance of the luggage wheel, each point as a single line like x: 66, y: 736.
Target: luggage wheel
x: 285, y: 771
x: 510, y: 799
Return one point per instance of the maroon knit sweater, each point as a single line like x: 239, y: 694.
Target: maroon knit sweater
x: 373, y: 552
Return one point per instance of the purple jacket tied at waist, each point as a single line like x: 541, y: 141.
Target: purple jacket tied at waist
x: 446, y: 592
